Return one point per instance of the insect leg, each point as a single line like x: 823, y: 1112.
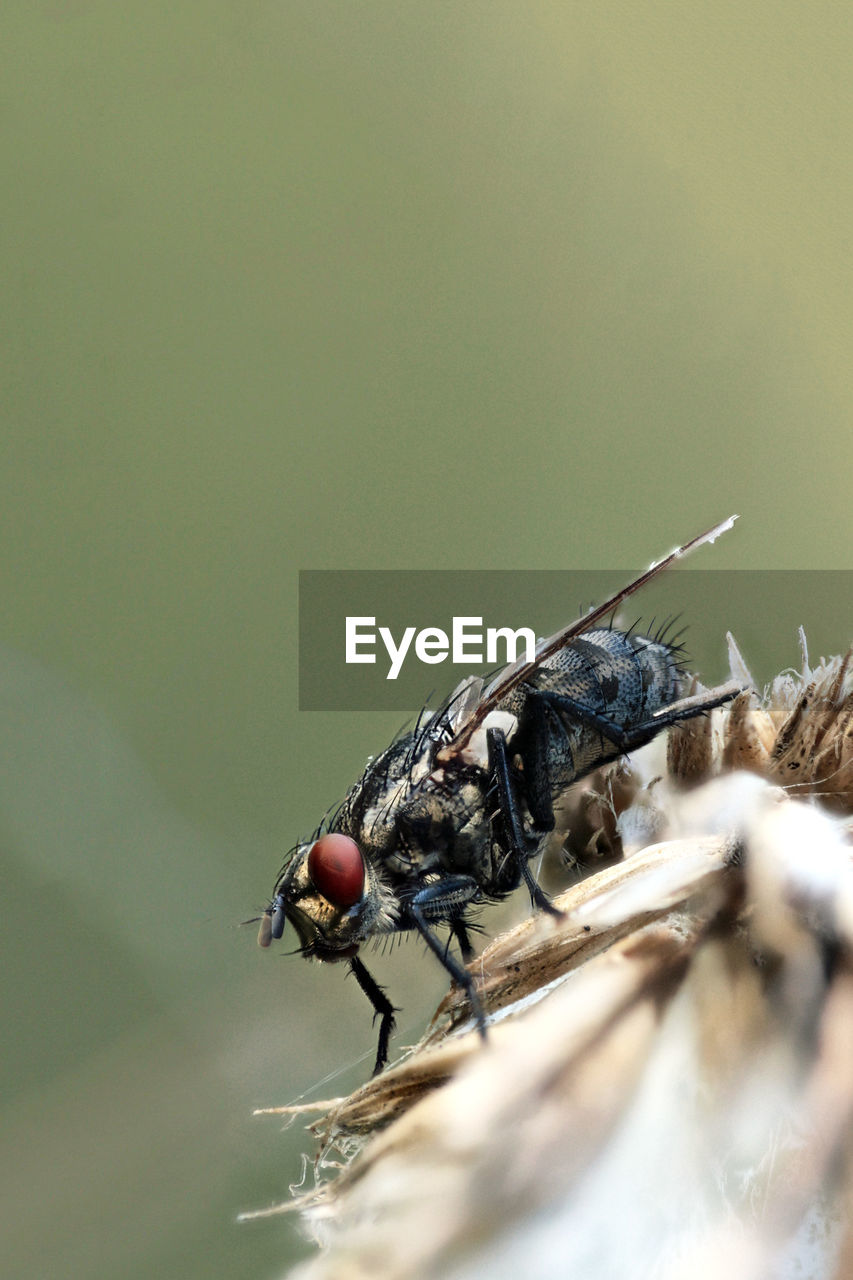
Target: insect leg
x: 382, y: 1008
x: 514, y: 829
x: 460, y: 933
x: 541, y: 722
x: 629, y: 737
x: 436, y: 902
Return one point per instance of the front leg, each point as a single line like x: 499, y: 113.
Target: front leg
x: 446, y: 899
x: 382, y: 1009
x: 511, y: 817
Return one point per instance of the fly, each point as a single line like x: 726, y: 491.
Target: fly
x: 452, y: 812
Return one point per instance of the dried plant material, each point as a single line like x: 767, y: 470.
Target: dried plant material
x: 452, y: 1168
x: 749, y: 736
x: 814, y: 747
x: 667, y: 1089
x: 520, y: 966
x: 599, y: 911
x: 386, y: 1097
x: 690, y: 748
x: 586, y: 832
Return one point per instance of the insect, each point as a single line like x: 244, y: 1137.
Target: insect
x: 451, y: 813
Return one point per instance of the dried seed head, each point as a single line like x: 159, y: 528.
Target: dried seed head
x: 675, y: 1050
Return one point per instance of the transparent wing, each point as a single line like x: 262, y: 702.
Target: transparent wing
x: 474, y: 706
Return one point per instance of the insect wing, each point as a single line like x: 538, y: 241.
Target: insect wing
x: 516, y: 672
x: 463, y: 702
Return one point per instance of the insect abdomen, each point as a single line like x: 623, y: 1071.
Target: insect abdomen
x: 627, y: 676
x: 623, y: 677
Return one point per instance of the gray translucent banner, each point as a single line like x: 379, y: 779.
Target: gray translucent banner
x: 762, y: 608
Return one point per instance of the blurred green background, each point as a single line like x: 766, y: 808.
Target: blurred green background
x: 344, y: 285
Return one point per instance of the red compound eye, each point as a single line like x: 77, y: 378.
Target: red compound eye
x: 336, y: 867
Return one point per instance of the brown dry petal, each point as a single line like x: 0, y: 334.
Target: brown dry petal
x: 749, y: 736
x: 814, y: 741
x: 599, y: 911
x: 690, y: 752
x: 799, y: 735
